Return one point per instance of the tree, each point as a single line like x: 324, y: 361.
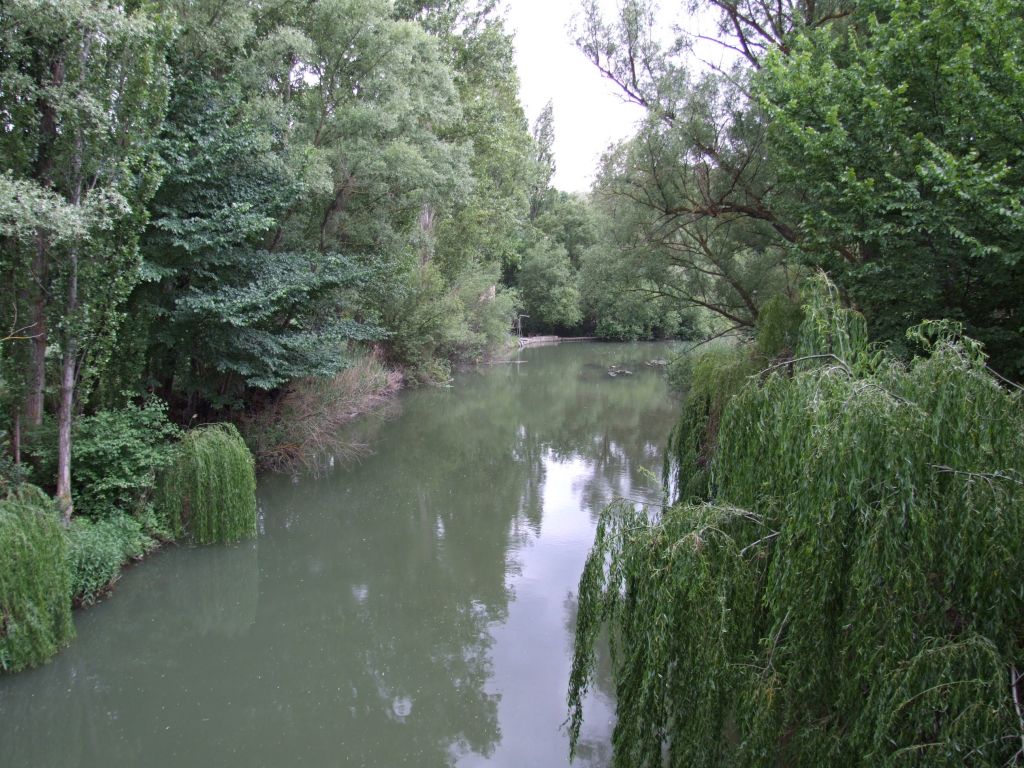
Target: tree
x: 696, y: 185
x: 834, y: 583
x: 85, y: 89
x: 901, y: 141
x: 228, y: 308
x: 543, y: 134
x: 488, y: 224
x: 726, y: 265
x: 619, y: 304
x: 296, y: 211
x: 548, y: 284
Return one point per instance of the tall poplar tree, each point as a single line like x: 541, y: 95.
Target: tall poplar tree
x: 83, y: 98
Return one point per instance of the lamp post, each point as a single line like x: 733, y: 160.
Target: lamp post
x: 519, y: 324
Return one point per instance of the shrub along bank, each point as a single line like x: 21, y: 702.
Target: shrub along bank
x: 139, y: 480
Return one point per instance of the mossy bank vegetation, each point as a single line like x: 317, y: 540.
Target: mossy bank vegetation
x: 836, y: 580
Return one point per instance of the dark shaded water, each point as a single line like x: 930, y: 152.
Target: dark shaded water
x: 413, y: 609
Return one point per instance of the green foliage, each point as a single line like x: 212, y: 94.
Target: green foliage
x: 547, y: 282
x: 84, y: 94
x: 434, y: 321
x: 237, y: 323
x: 35, y: 610
x: 543, y: 134
x: 488, y: 309
x: 224, y: 312
x: 624, y: 307
x: 96, y: 551
x: 778, y: 327
x: 11, y: 475
x: 569, y: 219
x: 707, y: 379
x: 488, y: 222
x: 117, y: 454
x: 829, y: 328
x: 901, y: 141
x: 689, y: 203
x: 847, y: 591
x: 209, y: 491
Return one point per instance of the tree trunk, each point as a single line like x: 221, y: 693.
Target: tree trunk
x: 64, y: 418
x: 16, y: 439
x: 37, y: 331
x: 43, y: 171
x: 65, y: 413
x: 69, y: 340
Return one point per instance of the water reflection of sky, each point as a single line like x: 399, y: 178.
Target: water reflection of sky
x: 530, y: 653
x: 416, y: 608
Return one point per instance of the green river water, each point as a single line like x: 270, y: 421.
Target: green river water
x: 412, y: 609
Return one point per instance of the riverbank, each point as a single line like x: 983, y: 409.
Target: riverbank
x: 533, y: 341
x: 313, y: 424
x: 303, y: 429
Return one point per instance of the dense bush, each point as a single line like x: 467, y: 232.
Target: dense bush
x: 707, y: 379
x: 11, y: 475
x: 304, y: 427
x: 778, y: 327
x: 623, y: 307
x: 116, y: 456
x: 488, y: 311
x: 97, y: 550
x: 35, y: 612
x: 433, y: 322
x: 209, y: 491
x: 548, y: 285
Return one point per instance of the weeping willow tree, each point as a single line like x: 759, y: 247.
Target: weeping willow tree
x: 209, y: 492
x: 848, y: 592
x: 711, y: 379
x: 35, y: 599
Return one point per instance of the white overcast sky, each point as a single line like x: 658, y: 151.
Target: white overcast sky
x: 589, y: 113
x: 588, y: 110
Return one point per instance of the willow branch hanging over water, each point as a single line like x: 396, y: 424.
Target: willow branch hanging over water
x: 35, y: 592
x: 847, y: 592
x: 209, y: 492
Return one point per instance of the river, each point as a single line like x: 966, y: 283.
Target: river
x: 412, y: 609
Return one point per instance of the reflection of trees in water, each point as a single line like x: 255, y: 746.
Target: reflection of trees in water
x: 618, y: 425
x: 413, y: 562
x: 392, y: 636
x: 357, y: 629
